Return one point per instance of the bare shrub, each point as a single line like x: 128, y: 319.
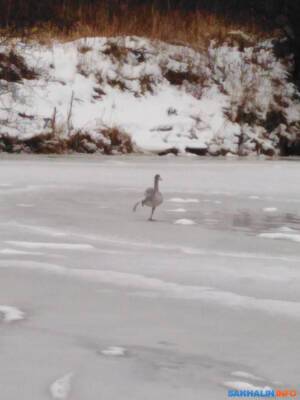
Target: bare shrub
x: 40, y: 144
x: 81, y: 69
x: 119, y: 141
x: 179, y: 77
x: 146, y: 84
x: 13, y: 68
x: 117, y: 83
x: 82, y: 142
x: 99, y: 93
x: 45, y: 144
x: 116, y: 51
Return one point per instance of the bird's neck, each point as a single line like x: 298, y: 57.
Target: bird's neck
x: 156, y: 185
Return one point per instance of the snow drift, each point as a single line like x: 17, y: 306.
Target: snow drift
x: 127, y: 94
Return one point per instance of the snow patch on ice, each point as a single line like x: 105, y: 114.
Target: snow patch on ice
x: 9, y: 252
x: 180, y: 200
x: 270, y: 209
x: 286, y: 229
x: 60, y: 389
x: 11, y: 314
x: 283, y: 236
x: 246, y: 375
x: 178, y: 210
x: 114, y: 351
x: 193, y: 251
x: 239, y: 385
x: 39, y: 229
x: 184, y: 221
x: 48, y: 245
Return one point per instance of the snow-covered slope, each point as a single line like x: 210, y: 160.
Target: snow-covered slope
x: 97, y: 94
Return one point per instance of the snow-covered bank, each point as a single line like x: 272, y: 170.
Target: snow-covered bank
x: 131, y: 94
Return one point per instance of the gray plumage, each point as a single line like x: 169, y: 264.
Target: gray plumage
x: 153, y: 197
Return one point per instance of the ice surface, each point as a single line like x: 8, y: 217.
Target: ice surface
x: 180, y: 311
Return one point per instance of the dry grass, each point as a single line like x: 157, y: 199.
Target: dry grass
x: 111, y: 141
x: 176, y: 27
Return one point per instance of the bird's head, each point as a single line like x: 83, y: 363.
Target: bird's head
x: 157, y: 178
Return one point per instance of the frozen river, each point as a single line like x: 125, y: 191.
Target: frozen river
x: 98, y: 303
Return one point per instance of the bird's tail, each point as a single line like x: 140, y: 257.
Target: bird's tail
x: 136, y: 206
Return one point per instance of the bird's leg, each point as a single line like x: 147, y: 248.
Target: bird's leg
x: 152, y: 212
x: 136, y: 206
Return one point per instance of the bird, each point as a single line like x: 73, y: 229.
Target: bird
x: 153, y: 197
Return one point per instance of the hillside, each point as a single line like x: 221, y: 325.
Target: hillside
x: 131, y: 94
